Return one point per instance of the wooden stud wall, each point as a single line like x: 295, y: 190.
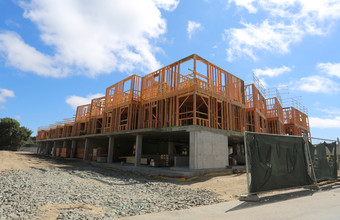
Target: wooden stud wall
x: 81, y: 120
x: 274, y: 116
x: 295, y: 122
x: 95, y: 124
x: 191, y: 91
x: 256, y: 107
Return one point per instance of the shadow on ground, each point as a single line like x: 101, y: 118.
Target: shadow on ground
x: 283, y: 197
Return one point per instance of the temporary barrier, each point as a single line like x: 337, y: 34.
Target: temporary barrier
x: 277, y: 162
x: 324, y: 158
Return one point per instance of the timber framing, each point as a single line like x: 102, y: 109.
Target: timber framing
x: 296, y: 122
x: 256, y: 110
x: 190, y: 91
x: 274, y: 116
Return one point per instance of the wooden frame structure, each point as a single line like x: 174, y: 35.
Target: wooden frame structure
x: 96, y: 114
x: 274, y: 116
x: 68, y: 127
x: 295, y: 122
x: 256, y: 109
x: 191, y: 91
x: 81, y: 120
x: 122, y: 104
x: 43, y: 133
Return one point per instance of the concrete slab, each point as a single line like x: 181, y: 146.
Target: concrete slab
x: 303, y: 204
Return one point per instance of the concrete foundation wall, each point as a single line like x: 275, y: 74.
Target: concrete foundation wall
x: 208, y: 150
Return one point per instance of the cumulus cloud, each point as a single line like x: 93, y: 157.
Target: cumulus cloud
x: 6, y: 93
x: 74, y: 101
x: 290, y: 22
x: 272, y: 72
x: 27, y: 58
x: 316, y: 84
x: 90, y: 38
x: 316, y: 122
x: 192, y: 28
x: 331, y: 69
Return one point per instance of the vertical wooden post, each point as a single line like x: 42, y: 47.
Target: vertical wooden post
x: 194, y: 109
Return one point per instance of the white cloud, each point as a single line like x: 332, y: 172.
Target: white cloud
x: 27, y: 58
x: 247, y: 4
x: 4, y: 94
x: 331, y: 69
x: 331, y: 111
x: 316, y: 84
x: 316, y: 122
x: 168, y: 5
x: 267, y: 36
x: 272, y: 72
x: 75, y: 101
x: 193, y: 27
x: 290, y: 22
x: 92, y: 37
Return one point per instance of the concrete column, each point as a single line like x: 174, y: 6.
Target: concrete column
x: 111, y: 148
x: 87, y: 149
x: 193, y: 150
x: 39, y: 146
x: 54, y: 149
x: 171, y: 152
x: 64, y: 144
x: 49, y: 148
x: 171, y: 149
x: 44, y: 148
x: 138, y: 153
x: 73, y: 150
x: 208, y: 150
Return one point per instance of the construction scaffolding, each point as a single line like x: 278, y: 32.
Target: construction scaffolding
x: 191, y: 91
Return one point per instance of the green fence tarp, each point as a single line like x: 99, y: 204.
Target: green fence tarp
x: 276, y: 162
x: 324, y: 158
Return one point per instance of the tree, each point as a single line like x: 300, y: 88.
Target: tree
x: 12, y: 135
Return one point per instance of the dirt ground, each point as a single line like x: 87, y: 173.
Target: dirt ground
x: 228, y: 187
x: 24, y: 160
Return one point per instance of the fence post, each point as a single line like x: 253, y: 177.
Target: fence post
x: 247, y: 165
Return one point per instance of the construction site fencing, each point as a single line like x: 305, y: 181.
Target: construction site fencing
x: 324, y: 159
x: 277, y: 162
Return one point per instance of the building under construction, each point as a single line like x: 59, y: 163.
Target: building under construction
x: 189, y: 114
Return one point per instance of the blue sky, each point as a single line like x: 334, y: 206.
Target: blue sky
x: 55, y: 55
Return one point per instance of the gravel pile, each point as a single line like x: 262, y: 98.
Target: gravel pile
x: 27, y: 194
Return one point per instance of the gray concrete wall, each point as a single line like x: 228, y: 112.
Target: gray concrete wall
x: 208, y: 150
x: 32, y: 148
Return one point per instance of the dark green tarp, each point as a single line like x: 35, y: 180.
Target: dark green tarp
x: 324, y: 159
x: 276, y: 162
